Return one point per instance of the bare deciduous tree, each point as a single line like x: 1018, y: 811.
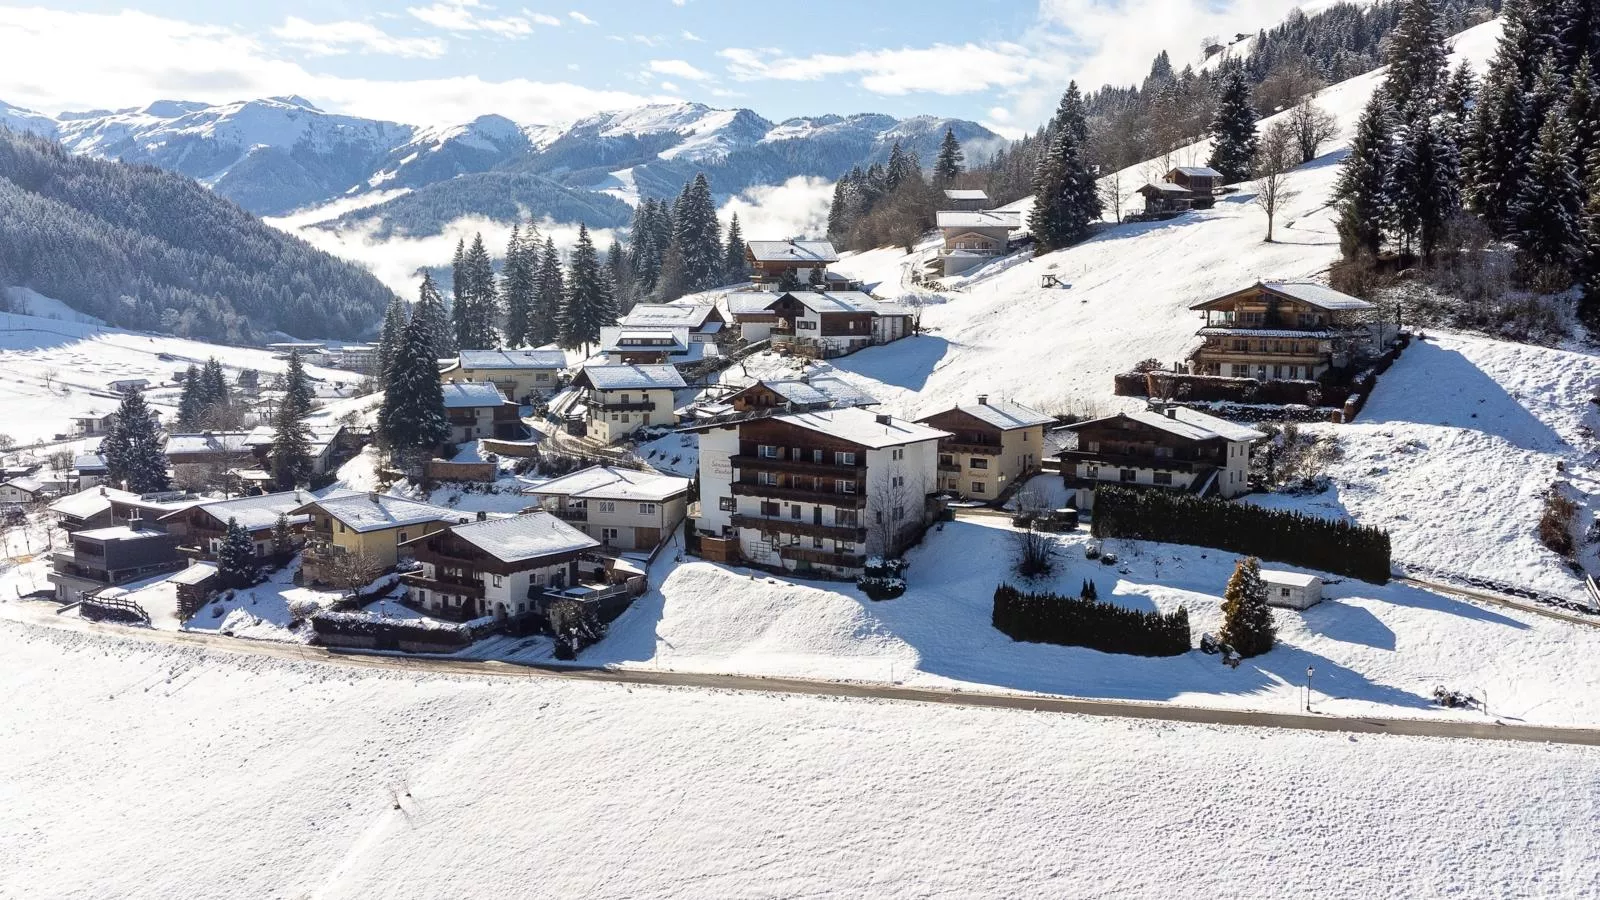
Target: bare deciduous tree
x: 1274, y: 158
x: 1313, y: 126
x: 1036, y: 552
x: 894, y: 511
x: 353, y: 570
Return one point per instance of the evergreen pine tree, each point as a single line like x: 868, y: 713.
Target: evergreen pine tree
x: 950, y: 164
x: 1547, y: 217
x: 297, y: 390
x: 1583, y: 114
x: 1423, y: 184
x: 290, y: 455
x: 435, y: 319
x: 190, y: 401
x: 282, y: 536
x: 898, y: 168
x: 412, y: 420
x: 735, y: 268
x: 839, y: 210
x: 521, y: 284
x: 1247, y: 624
x: 394, y: 322
x: 132, y: 448
x: 1460, y: 93
x: 588, y: 306
x: 547, y: 310
x: 461, y: 297
x: 1233, y: 129
x: 1066, y: 199
x: 645, y: 253
x: 1589, y: 299
x: 236, y: 558
x: 1364, y: 180
x: 1418, y: 58
x: 481, y: 316
x: 696, y: 239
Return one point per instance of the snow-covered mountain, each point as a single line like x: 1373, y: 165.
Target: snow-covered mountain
x: 280, y: 154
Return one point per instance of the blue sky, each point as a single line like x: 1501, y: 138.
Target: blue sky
x: 1002, y: 62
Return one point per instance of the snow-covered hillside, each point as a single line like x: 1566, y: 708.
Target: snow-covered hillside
x: 141, y: 770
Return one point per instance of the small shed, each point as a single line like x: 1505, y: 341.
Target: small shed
x: 195, y: 586
x: 1292, y: 590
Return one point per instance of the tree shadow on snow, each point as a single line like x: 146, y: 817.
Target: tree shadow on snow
x: 1417, y: 598
x: 1348, y: 624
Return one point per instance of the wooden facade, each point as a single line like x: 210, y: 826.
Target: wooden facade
x: 1265, y: 334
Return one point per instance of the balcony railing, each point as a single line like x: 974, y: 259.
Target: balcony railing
x: 1134, y: 461
x: 822, y: 557
x: 964, y: 447
x: 780, y: 464
x: 571, y: 513
x: 446, y: 584
x: 799, y: 495
x: 618, y: 406
x: 770, y: 524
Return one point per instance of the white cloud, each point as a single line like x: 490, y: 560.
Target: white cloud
x: 940, y: 69
x: 668, y: 86
x: 581, y: 19
x: 468, y: 15
x: 691, y: 36
x: 333, y: 38
x: 57, y: 60
x: 679, y: 69
x: 796, y: 208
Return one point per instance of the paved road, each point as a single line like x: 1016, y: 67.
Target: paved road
x: 1445, y: 728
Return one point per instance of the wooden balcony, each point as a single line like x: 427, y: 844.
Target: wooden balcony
x: 779, y: 464
x: 822, y: 557
x: 962, y: 447
x: 797, y: 495
x: 466, y: 587
x: 1134, y: 461
x: 618, y: 406
x: 803, y: 527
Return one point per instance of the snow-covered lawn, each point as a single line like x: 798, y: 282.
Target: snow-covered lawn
x: 137, y: 770
x: 1375, y: 650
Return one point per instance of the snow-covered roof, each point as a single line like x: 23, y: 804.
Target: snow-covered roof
x: 524, y: 537
x: 1318, y: 295
x: 611, y: 483
x: 119, y: 533
x: 669, y: 339
x: 85, y: 461
x: 1220, y: 331
x: 361, y: 511
x: 25, y: 483
x: 1198, y: 171
x: 793, y: 251
x: 955, y: 218
x: 208, y: 442
x: 845, y: 302
x: 471, y: 395
x: 90, y: 502
x: 1185, y: 423
x: 1005, y: 415
x: 1166, y: 187
x: 1289, y: 579
x: 626, y: 377
x: 668, y: 314
x: 195, y: 574
x: 820, y: 389
x: 511, y: 359
x: 258, y: 512
x: 965, y: 194
x: 321, y: 435
x: 858, y: 426
x: 749, y: 303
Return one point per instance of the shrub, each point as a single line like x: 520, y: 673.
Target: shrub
x: 1555, y: 525
x: 1331, y: 545
x: 881, y: 579
x: 1085, y: 622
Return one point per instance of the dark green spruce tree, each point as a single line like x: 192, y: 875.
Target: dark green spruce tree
x: 1363, y: 188
x: 236, y: 558
x: 1233, y: 130
x: 587, y: 305
x: 412, y: 420
x: 546, y: 323
x: 430, y: 310
x: 290, y: 455
x: 394, y: 322
x: 132, y: 448
x: 1418, y: 59
x: 950, y: 163
x: 735, y: 268
x: 1547, y: 217
x: 520, y: 284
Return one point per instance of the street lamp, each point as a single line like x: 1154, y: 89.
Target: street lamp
x: 1309, y: 672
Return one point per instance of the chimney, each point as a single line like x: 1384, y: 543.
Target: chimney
x: 373, y: 496
x: 483, y: 516
x: 1172, y: 412
x: 884, y: 418
x: 983, y: 399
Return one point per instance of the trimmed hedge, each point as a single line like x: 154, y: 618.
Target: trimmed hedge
x: 1082, y: 622
x: 1331, y: 545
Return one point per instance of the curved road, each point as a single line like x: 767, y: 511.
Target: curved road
x: 1445, y: 728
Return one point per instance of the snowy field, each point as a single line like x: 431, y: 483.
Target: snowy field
x: 127, y: 769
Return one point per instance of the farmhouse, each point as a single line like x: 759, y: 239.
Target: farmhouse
x: 1278, y: 330
x: 704, y: 321
x: 208, y: 448
x: 623, y: 509
x: 1200, y: 180
x: 203, y: 527
x: 816, y: 392
x: 495, y: 567
x: 326, y: 441
x: 622, y: 399
x: 815, y: 491
x: 370, y: 525
x: 478, y: 409
x: 971, y: 238
x: 771, y: 261
x: 88, y: 470
x: 965, y: 199
x: 1183, y: 188
x: 520, y: 375
x: 1174, y: 447
x: 830, y: 324
x: 652, y: 345
x: 24, y: 489
x: 749, y: 312
x: 128, y: 385
x: 991, y: 445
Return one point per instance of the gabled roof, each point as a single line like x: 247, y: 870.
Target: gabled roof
x: 1291, y: 579
x: 844, y: 302
x: 611, y: 483
x: 1198, y: 171
x: 858, y: 426
x: 615, y: 338
x: 626, y: 377
x: 1182, y: 422
x: 793, y: 251
x: 955, y: 218
x: 1313, y: 294
x: 255, y: 513
x: 361, y: 511
x: 88, y: 461
x: 749, y: 303
x: 321, y: 435
x: 208, y: 442
x: 669, y: 314
x: 524, y: 537
x: 1165, y: 187
x: 25, y: 483
x: 829, y: 389
x: 511, y: 359
x: 472, y: 395
x: 965, y: 194
x: 1004, y: 415
x: 90, y: 502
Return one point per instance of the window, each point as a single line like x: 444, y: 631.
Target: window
x: 844, y: 458
x: 979, y: 487
x: 844, y: 546
x: 607, y: 506
x: 1163, y: 478
x: 816, y: 542
x: 1283, y: 592
x: 341, y: 528
x: 978, y: 462
x: 845, y: 517
x: 794, y: 511
x: 624, y: 417
x: 803, y: 325
x: 1163, y: 453
x: 1091, y: 471
x: 897, y: 453
x: 767, y: 478
x: 402, y: 538
x: 608, y: 534
x: 897, y: 481
x: 946, y: 459
x: 726, y: 504
x: 647, y: 509
x: 769, y: 508
x: 816, y: 456
x: 899, y: 513
x: 845, y: 487
x: 767, y: 451
x: 1130, y: 475
x: 499, y: 581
